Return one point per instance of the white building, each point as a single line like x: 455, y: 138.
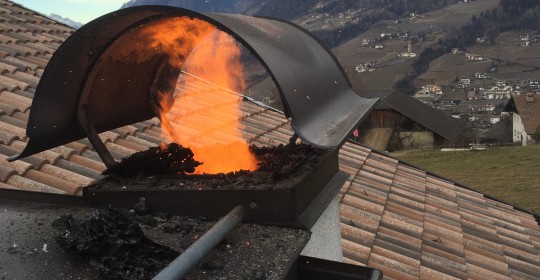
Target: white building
x: 525, y: 110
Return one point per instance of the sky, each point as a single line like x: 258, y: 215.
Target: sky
x: 82, y: 11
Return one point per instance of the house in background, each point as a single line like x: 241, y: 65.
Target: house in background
x: 402, y: 122
x: 525, y: 111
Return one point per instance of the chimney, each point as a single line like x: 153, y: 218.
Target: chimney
x: 530, y: 97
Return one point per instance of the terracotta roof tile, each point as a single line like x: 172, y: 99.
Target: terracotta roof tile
x: 18, y: 50
x: 482, y: 244
x: 391, y: 260
x: 392, y: 269
x: 87, y: 162
x: 23, y: 37
x: 35, y: 161
x: 4, y: 67
x: 388, y: 244
x: 20, y: 64
x: 78, y: 169
x: 35, y: 60
x: 12, y: 84
x: 118, y: 151
x: 393, y: 237
x: 27, y: 184
x: 13, y: 130
x: 407, y: 201
x: 36, y: 28
x: 357, y: 235
x: 366, y: 193
x: 476, y: 272
x: 428, y: 273
x: 402, y: 223
x: 485, y: 262
x: 24, y: 77
x: 131, y: 145
x: 66, y: 175
x: 148, y: 138
x: 439, y: 249
x: 124, y: 131
x: 533, y: 270
x: 50, y: 180
x: 6, y: 172
x: 153, y: 134
x: 17, y: 101
x: 78, y: 147
x: 355, y: 251
x: 6, y: 138
x: 13, y: 121
x: 444, y: 265
x: 63, y: 151
x: 43, y: 37
x: 405, y: 211
x: 8, y: 27
x: 520, y: 275
x: 358, y: 218
x: 363, y: 204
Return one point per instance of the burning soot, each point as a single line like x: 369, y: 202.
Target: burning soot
x: 176, y: 162
x: 165, y: 159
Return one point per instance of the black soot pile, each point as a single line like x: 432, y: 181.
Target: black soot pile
x: 114, y: 243
x: 165, y: 159
x: 139, y: 170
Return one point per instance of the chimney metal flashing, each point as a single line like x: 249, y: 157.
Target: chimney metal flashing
x: 85, y: 89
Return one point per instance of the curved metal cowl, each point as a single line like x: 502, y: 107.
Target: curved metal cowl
x: 85, y: 81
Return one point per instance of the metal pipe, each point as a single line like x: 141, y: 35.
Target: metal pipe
x: 180, y: 266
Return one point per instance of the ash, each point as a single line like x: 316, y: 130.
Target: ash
x: 114, y: 243
x: 137, y: 244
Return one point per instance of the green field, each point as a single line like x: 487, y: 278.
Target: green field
x: 511, y: 174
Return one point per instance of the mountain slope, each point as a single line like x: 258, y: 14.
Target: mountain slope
x: 66, y: 21
x: 333, y: 21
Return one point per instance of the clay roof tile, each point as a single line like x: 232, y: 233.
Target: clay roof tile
x: 27, y: 184
x: 78, y: 169
x: 50, y: 180
x: 6, y: 172
x: 87, y: 163
x: 78, y: 147
x: 20, y: 167
x: 67, y: 175
x: 17, y: 101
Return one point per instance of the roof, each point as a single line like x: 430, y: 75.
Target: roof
x: 529, y: 112
x: 407, y: 222
x: 433, y: 119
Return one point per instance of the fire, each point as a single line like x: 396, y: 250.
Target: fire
x: 205, y: 112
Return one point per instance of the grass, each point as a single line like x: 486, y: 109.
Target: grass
x: 510, y: 173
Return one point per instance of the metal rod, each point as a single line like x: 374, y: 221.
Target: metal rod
x: 284, y: 155
x: 180, y: 266
x: 99, y: 146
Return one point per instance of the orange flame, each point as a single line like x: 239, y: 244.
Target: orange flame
x: 205, y: 114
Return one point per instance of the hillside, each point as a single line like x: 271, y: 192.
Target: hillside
x: 334, y: 22
x: 389, y: 64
